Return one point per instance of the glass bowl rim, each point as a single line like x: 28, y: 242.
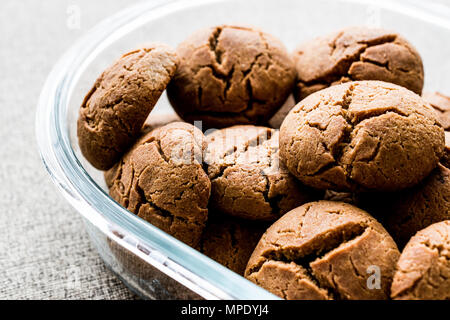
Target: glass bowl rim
x: 168, y: 254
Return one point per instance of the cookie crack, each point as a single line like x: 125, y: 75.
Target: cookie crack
x: 228, y: 83
x: 337, y: 149
x: 266, y: 45
x: 158, y: 210
x: 157, y: 144
x: 322, y: 247
x: 439, y: 248
x: 224, y: 78
x: 341, y: 70
x: 272, y: 201
x: 377, y: 63
x: 213, y: 42
x: 257, y: 141
x: 246, y: 72
x: 333, y: 43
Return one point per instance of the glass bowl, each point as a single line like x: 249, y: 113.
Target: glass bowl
x: 150, y: 262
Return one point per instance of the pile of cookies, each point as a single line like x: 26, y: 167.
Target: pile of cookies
x: 305, y: 172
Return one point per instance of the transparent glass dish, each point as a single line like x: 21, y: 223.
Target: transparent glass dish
x: 149, y: 261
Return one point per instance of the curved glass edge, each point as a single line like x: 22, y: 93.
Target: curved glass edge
x: 179, y: 261
x: 173, y: 257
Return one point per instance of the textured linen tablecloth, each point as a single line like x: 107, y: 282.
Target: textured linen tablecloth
x: 45, y: 252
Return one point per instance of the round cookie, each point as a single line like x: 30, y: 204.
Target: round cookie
x: 357, y: 53
x: 406, y: 212
x: 325, y: 250
x: 423, y: 270
x: 230, y: 241
x: 441, y: 104
x: 231, y: 75
x: 247, y: 178
x: 114, y: 110
x: 161, y: 179
x: 363, y: 135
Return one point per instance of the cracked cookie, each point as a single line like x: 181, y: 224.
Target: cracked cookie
x: 231, y: 75
x: 230, y: 241
x: 325, y: 250
x: 361, y: 136
x: 161, y: 179
x: 247, y: 178
x: 408, y: 211
x: 423, y: 270
x: 441, y: 104
x: 114, y: 110
x: 357, y: 53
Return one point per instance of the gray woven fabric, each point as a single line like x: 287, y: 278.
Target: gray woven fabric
x: 45, y: 252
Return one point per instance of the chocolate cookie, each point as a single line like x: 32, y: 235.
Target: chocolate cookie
x: 114, y: 110
x: 161, y: 179
x: 231, y: 75
x: 423, y: 270
x: 230, y: 241
x: 408, y: 211
x: 247, y: 179
x: 357, y: 53
x: 325, y: 250
x: 363, y: 135
x: 441, y: 104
